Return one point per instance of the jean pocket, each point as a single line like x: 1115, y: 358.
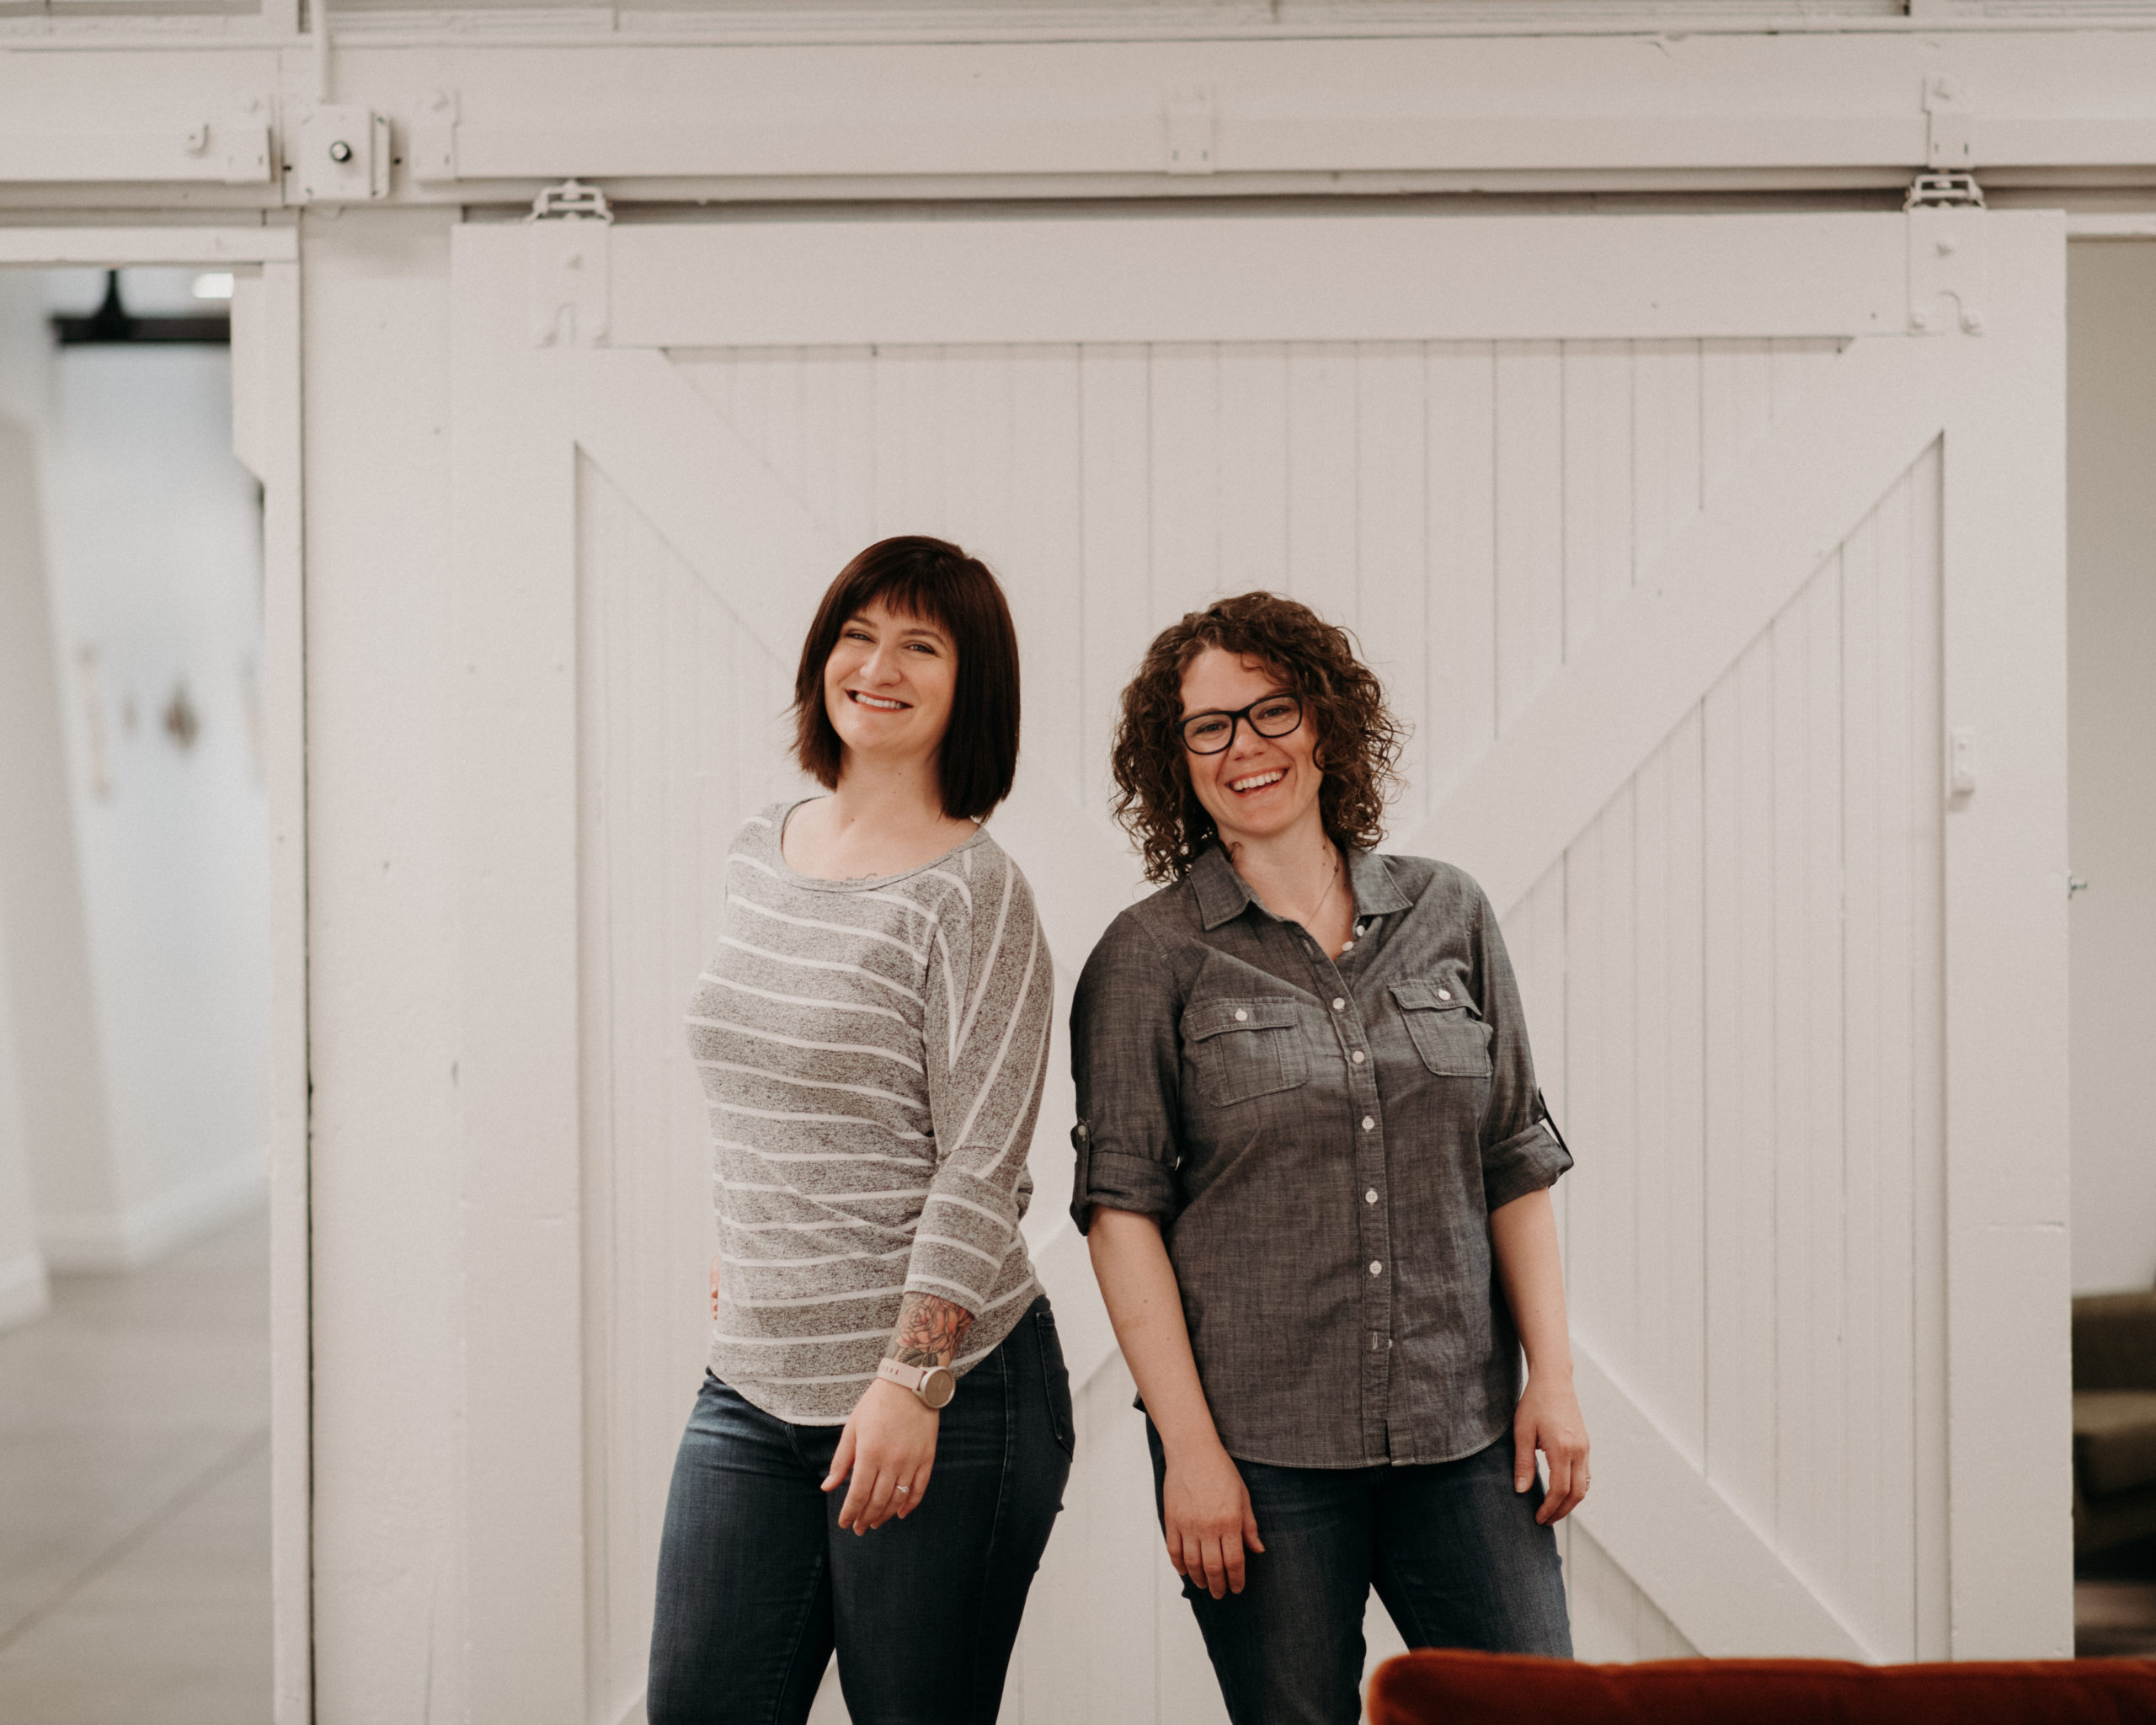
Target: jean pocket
x: 1055, y: 1380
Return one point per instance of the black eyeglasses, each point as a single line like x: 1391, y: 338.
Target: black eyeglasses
x: 1211, y: 733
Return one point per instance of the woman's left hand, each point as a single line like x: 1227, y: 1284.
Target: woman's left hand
x: 888, y: 1446
x: 1548, y: 1419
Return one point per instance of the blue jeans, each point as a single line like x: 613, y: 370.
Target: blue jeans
x: 1453, y: 1550
x: 757, y: 1584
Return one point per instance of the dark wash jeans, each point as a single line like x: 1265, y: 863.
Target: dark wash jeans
x: 1453, y: 1550
x: 757, y: 1582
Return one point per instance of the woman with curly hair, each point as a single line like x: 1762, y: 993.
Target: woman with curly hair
x: 1314, y: 1169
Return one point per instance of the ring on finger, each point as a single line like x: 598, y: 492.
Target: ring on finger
x: 903, y: 1490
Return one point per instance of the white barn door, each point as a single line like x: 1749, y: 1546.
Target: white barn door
x: 1700, y: 551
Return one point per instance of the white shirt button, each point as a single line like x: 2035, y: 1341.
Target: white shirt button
x: 1368, y: 1123
x: 1376, y: 1269
x: 1371, y: 1196
x: 1444, y: 994
x: 1240, y: 1015
x: 1339, y: 1005
x: 1356, y: 1057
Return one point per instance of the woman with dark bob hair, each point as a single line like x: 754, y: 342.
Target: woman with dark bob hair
x: 1315, y: 1170
x: 871, y: 1035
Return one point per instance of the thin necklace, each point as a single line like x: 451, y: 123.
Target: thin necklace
x: 1329, y: 885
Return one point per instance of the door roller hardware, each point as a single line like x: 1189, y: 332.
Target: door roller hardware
x: 341, y: 156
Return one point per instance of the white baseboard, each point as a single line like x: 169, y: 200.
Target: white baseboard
x: 123, y: 1240
x: 23, y: 1291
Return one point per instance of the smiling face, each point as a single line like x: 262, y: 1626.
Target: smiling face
x: 1258, y: 788
x: 888, y: 684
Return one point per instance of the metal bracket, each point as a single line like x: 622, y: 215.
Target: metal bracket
x: 1951, y: 125
x: 570, y: 265
x: 1191, y: 132
x: 341, y: 156
x: 430, y: 150
x: 1946, y: 218
x: 238, y: 140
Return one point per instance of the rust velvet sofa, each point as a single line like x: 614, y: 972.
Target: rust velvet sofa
x: 1444, y: 1688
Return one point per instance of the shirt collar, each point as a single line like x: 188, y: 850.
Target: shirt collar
x: 1223, y: 895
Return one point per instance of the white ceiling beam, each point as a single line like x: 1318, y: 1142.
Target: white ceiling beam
x: 1342, y: 113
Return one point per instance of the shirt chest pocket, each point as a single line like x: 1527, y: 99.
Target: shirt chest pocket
x: 1453, y: 1041
x: 1244, y: 1049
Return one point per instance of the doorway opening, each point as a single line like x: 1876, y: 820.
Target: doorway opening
x: 136, y: 1058
x: 2112, y: 825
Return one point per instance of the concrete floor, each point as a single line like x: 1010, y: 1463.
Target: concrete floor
x: 135, y: 1495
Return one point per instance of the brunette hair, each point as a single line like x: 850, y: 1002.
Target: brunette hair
x: 1358, y: 739
x: 934, y: 581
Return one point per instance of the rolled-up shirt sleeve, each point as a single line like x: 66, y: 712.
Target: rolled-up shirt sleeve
x: 1125, y: 1058
x: 1521, y: 1151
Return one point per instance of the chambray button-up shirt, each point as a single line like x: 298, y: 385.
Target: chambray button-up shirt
x: 1323, y: 1140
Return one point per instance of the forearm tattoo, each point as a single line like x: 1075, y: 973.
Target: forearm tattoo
x: 930, y: 1331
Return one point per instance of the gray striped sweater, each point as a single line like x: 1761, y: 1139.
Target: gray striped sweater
x: 872, y: 1054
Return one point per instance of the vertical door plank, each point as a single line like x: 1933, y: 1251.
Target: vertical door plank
x: 1919, y: 652
x: 1787, y: 1069
x: 1668, y: 474
x: 838, y: 450
x: 1253, y: 444
x: 1873, y: 1146
x: 1184, y: 435
x: 1392, y: 516
x: 1321, y: 460
x: 1117, y: 542
x: 1459, y: 716
x: 1795, y: 364
x: 1530, y: 620
x: 1656, y: 1337
x: 1617, y: 1072
x: 973, y: 437
x: 1593, y: 1203
x: 909, y: 456
x: 1044, y: 571
x: 1598, y: 482
x: 1826, y: 1249
x: 1750, y: 1459
x: 1683, y: 1242
x: 1736, y: 406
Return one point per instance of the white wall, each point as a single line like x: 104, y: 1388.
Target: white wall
x: 2112, y: 669
x: 152, y: 554
x: 49, y: 1087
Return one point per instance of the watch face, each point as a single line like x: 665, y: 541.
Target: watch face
x: 939, y: 1387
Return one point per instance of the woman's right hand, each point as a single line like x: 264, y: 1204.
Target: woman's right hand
x: 1206, y: 1513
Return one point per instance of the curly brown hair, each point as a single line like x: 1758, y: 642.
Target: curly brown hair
x: 1358, y: 740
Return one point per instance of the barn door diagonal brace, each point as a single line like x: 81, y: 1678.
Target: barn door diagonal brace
x: 570, y: 265
x: 1945, y: 218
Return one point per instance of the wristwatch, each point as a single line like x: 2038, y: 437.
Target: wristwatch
x: 933, y: 1384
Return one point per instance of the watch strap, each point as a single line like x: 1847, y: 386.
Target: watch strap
x: 916, y: 1379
